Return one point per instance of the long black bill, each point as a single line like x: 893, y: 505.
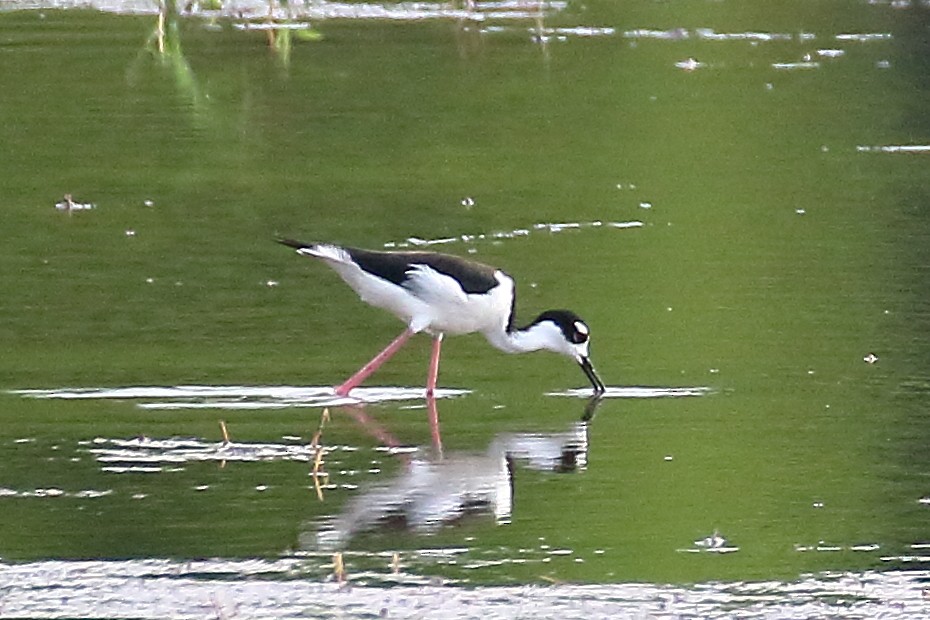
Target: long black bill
x: 599, y: 387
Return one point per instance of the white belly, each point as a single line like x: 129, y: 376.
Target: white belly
x: 433, y: 302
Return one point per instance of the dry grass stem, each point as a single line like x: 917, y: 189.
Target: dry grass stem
x: 339, y: 569
x: 317, y: 471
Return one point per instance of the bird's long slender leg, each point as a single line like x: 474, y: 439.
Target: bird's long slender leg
x: 433, y: 413
x: 376, y: 362
x: 433, y: 375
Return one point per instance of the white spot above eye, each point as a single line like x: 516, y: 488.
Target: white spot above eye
x: 581, y: 328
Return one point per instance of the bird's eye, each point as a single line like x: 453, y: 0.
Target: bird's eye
x: 581, y: 333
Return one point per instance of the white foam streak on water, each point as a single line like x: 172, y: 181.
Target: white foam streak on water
x: 544, y: 35
x: 279, y: 397
x: 864, y: 37
x: 895, y: 148
x: 790, y: 66
x: 54, y: 493
x: 709, y: 34
x: 147, y: 452
x: 239, y: 397
x: 552, y: 227
x: 637, y: 392
x: 281, y: 589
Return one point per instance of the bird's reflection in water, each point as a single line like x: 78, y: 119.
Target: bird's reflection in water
x: 442, y: 488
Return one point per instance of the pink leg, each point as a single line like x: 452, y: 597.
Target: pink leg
x: 433, y: 414
x: 433, y: 367
x: 355, y: 380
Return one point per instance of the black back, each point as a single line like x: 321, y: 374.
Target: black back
x: 393, y: 267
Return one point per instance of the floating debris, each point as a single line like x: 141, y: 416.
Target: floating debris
x: 871, y: 358
x: 69, y: 204
x: 690, y: 64
x: 715, y: 543
x: 711, y: 542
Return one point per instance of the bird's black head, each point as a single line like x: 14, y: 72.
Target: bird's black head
x: 574, y: 330
x: 573, y: 340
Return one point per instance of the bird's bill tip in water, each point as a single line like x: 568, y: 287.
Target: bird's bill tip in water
x: 588, y: 368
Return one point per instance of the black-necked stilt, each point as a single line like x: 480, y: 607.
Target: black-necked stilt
x: 443, y: 294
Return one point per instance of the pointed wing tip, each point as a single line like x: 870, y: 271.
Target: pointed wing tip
x: 292, y: 243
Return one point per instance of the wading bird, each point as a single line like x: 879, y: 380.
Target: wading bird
x: 443, y: 294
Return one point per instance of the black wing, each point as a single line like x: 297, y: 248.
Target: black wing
x: 394, y: 266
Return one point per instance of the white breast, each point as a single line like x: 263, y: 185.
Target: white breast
x: 449, y: 310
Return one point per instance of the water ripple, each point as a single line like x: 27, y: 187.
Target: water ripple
x: 637, y: 392
x: 238, y: 396
x: 323, y: 9
x: 895, y: 148
x: 552, y: 227
x: 143, y: 452
x: 279, y: 588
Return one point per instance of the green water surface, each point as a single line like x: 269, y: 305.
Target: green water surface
x: 778, y: 249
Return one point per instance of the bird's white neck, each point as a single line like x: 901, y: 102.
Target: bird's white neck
x: 523, y: 340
